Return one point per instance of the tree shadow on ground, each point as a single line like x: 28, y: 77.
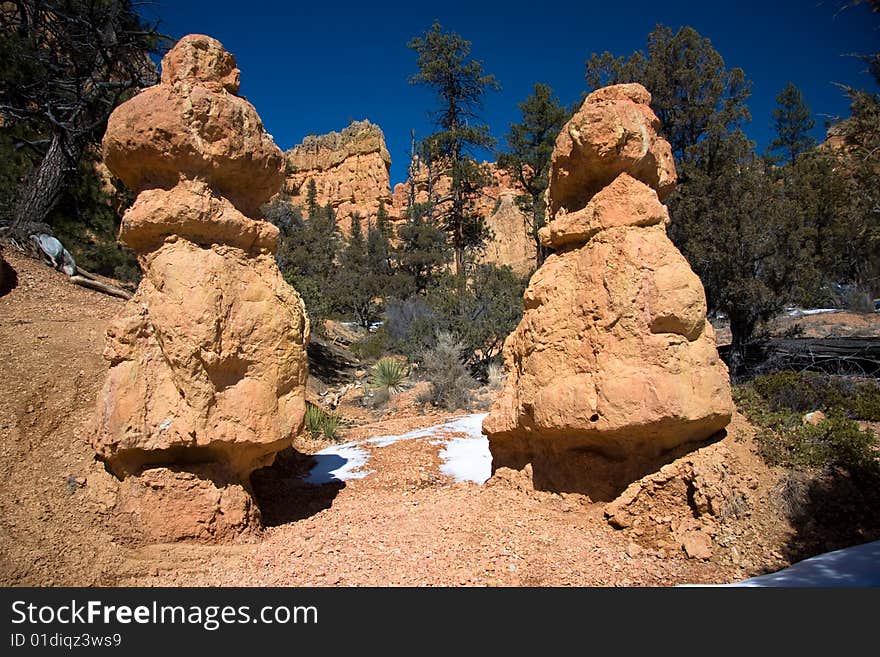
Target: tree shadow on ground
x: 283, y: 495
x: 833, y: 509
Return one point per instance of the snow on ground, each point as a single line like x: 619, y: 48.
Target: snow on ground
x: 338, y: 463
x: 854, y: 566
x: 799, y: 312
x: 464, y: 459
x: 467, y: 459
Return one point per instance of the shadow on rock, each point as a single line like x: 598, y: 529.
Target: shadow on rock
x: 835, y: 509
x: 591, y: 472
x: 282, y: 493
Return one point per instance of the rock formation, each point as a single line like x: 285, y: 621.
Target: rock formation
x: 613, y: 369
x: 350, y: 170
x: 511, y: 242
x: 207, y: 361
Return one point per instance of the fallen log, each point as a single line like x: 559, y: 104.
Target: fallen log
x: 94, y: 284
x: 859, y: 356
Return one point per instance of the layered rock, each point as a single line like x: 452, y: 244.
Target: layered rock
x: 510, y: 242
x: 207, y: 361
x: 350, y: 170
x: 613, y: 369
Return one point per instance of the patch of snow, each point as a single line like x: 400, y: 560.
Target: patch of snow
x: 338, y: 463
x: 853, y: 566
x: 799, y: 312
x: 465, y: 459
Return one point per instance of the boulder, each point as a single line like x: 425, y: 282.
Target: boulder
x: 208, y: 362
x: 615, y: 131
x: 613, y: 366
x: 196, y: 129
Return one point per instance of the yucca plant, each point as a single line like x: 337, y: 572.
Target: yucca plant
x: 319, y: 422
x: 388, y: 375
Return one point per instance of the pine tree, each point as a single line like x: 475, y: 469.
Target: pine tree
x: 306, y: 254
x: 530, y: 145
x: 420, y: 253
x: 459, y: 83
x: 312, y: 207
x: 379, y: 253
x: 64, y: 67
x: 693, y: 93
x: 792, y: 122
x: 748, y: 243
x: 353, y: 291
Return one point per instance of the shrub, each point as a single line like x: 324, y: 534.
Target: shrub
x: 389, y: 374
x: 319, y: 422
x: 372, y: 345
x: 444, y: 367
x: 495, y: 376
x: 856, y: 398
x: 775, y: 403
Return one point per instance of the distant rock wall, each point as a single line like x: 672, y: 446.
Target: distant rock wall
x: 351, y: 170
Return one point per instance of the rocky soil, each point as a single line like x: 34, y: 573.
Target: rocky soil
x: 715, y: 515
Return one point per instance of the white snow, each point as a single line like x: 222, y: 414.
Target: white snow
x: 464, y: 459
x: 467, y: 459
x: 798, y: 312
x: 854, y: 566
x: 338, y: 463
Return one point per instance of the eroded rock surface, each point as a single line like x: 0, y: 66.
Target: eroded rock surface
x: 613, y: 367
x: 208, y: 360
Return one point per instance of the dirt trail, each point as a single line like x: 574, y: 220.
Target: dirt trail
x: 405, y: 524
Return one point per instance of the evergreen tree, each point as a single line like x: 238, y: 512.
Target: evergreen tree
x: 64, y: 66
x: 530, y: 145
x: 792, y: 122
x: 459, y: 83
x: 379, y: 273
x: 306, y: 254
x: 420, y: 253
x: 693, y: 93
x: 748, y: 243
x: 312, y: 207
x: 353, y: 288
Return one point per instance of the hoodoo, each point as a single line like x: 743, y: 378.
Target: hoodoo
x: 208, y: 360
x: 613, y: 369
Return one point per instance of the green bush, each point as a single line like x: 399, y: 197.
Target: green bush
x: 319, y: 423
x: 389, y: 374
x: 776, y: 403
x: 856, y: 398
x: 372, y: 346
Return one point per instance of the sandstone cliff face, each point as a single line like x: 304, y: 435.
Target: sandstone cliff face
x: 511, y: 242
x: 208, y: 359
x: 613, y: 367
x: 350, y: 170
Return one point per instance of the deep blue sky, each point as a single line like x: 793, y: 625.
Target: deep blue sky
x: 311, y: 67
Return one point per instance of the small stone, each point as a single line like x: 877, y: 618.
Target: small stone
x: 814, y: 418
x: 697, y: 545
x: 633, y: 550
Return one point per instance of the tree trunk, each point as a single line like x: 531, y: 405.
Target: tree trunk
x: 43, y: 187
x: 740, y: 333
